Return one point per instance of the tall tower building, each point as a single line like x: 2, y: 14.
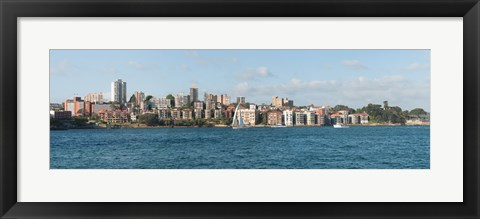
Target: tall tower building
x: 139, y: 97
x: 119, y: 91
x: 194, y: 93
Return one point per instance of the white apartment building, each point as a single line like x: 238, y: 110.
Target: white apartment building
x: 288, y: 117
x: 119, y: 91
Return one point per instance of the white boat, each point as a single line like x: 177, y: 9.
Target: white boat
x: 237, y: 123
x: 278, y: 126
x: 340, y: 126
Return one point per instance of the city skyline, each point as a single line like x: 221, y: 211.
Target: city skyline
x: 327, y: 77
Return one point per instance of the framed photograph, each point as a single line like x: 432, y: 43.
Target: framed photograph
x: 168, y: 109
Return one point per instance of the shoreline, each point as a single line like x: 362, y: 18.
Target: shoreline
x: 227, y: 126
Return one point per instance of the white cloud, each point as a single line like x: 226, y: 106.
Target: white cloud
x: 250, y: 74
x: 63, y: 67
x: 354, y: 93
x: 109, y: 70
x: 354, y: 64
x: 418, y: 66
x: 136, y: 65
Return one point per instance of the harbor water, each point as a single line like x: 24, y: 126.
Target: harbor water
x: 395, y: 147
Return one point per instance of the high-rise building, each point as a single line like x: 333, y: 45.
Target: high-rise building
x: 182, y: 100
x: 290, y: 103
x: 139, y: 97
x: 210, y: 97
x: 224, y: 99
x: 278, y: 102
x: 240, y: 100
x: 94, y: 97
x: 193, y: 94
x: 119, y: 91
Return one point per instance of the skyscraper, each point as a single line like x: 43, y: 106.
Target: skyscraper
x: 119, y: 91
x: 193, y: 93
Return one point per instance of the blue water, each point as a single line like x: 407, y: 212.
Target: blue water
x: 406, y: 147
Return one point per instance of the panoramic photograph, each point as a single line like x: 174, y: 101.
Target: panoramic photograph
x: 239, y: 109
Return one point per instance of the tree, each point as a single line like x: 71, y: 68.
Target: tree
x: 172, y: 99
x: 148, y: 98
x: 340, y: 107
x: 417, y: 112
x: 343, y: 107
x: 133, y: 99
x: 149, y: 119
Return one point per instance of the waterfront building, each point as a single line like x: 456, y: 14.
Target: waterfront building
x: 249, y: 116
x: 60, y: 114
x: 363, y: 118
x: 320, y: 116
x: 94, y: 97
x: 274, y: 117
x: 117, y: 116
x: 193, y: 93
x: 309, y: 117
x: 300, y: 118
x: 217, y: 113
x: 186, y: 114
x: 353, y: 119
x: 344, y: 114
x: 75, y: 105
x: 253, y: 107
x: 337, y: 118
x: 198, y: 113
x: 119, y: 91
x: 163, y: 114
x: 240, y: 100
x: 288, y: 117
x: 209, y: 107
x: 176, y: 114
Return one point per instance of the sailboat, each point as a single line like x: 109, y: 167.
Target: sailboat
x: 237, y: 123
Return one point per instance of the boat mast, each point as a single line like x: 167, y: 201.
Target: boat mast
x: 235, y: 115
x: 240, y: 119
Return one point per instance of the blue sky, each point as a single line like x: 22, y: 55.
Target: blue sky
x: 320, y: 77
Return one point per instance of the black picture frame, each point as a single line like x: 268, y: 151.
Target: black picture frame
x: 10, y: 10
